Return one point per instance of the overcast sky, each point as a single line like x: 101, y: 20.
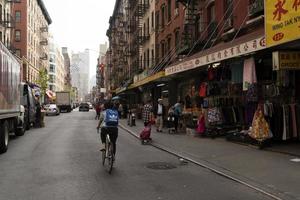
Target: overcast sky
x: 80, y: 24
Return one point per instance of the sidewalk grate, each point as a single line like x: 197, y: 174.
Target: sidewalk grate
x: 160, y: 165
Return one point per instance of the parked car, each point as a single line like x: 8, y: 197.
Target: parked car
x: 52, y: 109
x: 90, y: 105
x: 84, y: 107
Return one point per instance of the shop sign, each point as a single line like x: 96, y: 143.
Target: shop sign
x: 234, y: 51
x: 286, y: 60
x: 140, y: 76
x: 282, y: 21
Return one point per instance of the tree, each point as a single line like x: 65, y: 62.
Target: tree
x: 43, y: 81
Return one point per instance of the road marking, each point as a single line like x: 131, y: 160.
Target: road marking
x: 207, y: 167
x: 295, y: 160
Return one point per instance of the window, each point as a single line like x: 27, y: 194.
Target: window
x: 152, y: 20
x: 211, y: 13
x: 17, y: 35
x: 169, y: 10
x: 52, y: 68
x: 1, y: 36
x: 148, y: 58
x: 162, y: 50
x: 148, y: 24
x: 157, y: 21
x: 169, y: 44
x: 18, y: 52
x: 18, y: 16
x: 163, y: 16
x: 177, y: 38
x: 1, y: 19
x: 152, y: 57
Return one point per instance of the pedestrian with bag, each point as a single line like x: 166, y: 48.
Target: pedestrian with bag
x: 147, y: 113
x: 177, y: 114
x: 159, y: 113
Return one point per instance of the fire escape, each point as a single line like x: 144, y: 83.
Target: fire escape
x: 189, y: 31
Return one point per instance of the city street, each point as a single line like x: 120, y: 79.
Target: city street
x: 62, y: 161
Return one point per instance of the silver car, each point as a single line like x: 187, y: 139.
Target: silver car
x: 52, y: 109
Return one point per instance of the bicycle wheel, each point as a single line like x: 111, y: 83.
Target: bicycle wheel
x: 110, y: 158
x: 103, y: 157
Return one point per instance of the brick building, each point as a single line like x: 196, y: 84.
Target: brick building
x: 30, y: 37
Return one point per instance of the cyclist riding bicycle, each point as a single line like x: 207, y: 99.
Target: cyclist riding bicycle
x: 109, y: 125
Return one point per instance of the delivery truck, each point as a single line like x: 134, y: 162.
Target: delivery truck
x: 11, y: 111
x: 63, y: 101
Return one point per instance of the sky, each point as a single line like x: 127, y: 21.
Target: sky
x: 80, y: 25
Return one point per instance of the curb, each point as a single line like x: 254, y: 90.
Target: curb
x: 216, y: 171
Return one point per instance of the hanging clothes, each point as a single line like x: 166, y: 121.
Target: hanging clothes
x: 237, y: 72
x: 249, y: 74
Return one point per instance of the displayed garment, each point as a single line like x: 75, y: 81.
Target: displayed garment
x: 249, y: 73
x: 260, y: 128
x: 237, y: 72
x: 202, y: 90
x: 214, y: 115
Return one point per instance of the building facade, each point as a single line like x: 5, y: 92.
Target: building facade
x: 80, y: 63
x: 30, y: 37
x: 56, y: 70
x: 8, y: 23
x: 67, y: 64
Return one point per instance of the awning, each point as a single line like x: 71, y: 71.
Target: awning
x: 244, y: 45
x: 147, y: 80
x: 50, y: 94
x: 119, y: 90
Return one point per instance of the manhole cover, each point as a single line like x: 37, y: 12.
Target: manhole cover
x: 160, y: 165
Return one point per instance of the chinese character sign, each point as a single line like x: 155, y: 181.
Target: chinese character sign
x: 282, y: 21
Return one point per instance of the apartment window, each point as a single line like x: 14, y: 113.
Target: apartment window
x: 52, y: 68
x: 1, y: 19
x: 163, y: 50
x: 148, y: 58
x: 169, y: 10
x: 1, y: 36
x: 157, y: 21
x: 152, y: 57
x: 145, y: 60
x: 152, y: 20
x: 148, y: 25
x: 163, y: 16
x: 18, y: 52
x: 169, y: 44
x: 211, y: 13
x: 18, y: 16
x: 177, y: 38
x: 17, y: 35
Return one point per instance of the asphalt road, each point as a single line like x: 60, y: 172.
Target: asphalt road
x: 62, y: 161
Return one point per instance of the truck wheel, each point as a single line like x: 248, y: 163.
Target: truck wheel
x: 4, y: 137
x: 21, y: 131
x: 27, y: 124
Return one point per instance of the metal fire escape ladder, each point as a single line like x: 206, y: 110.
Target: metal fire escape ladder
x: 188, y: 34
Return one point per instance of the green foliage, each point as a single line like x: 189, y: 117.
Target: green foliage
x: 43, y: 81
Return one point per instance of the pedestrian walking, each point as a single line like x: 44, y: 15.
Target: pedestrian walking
x: 98, y: 111
x: 177, y: 114
x: 147, y: 112
x: 120, y: 110
x: 159, y: 113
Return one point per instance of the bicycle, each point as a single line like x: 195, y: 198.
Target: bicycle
x: 108, y: 154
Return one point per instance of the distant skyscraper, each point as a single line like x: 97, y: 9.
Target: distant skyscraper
x: 80, y: 68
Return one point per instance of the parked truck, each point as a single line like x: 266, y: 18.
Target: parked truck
x: 63, y: 101
x: 11, y: 111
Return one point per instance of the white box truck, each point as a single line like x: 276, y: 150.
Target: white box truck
x: 63, y: 101
x: 11, y: 110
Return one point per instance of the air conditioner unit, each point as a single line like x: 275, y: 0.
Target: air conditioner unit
x: 176, y: 12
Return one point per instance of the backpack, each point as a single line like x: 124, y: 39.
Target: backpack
x: 112, y: 118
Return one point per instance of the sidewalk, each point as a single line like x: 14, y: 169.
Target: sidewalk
x: 273, y: 172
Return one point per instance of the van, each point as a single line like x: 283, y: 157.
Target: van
x: 29, y: 103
